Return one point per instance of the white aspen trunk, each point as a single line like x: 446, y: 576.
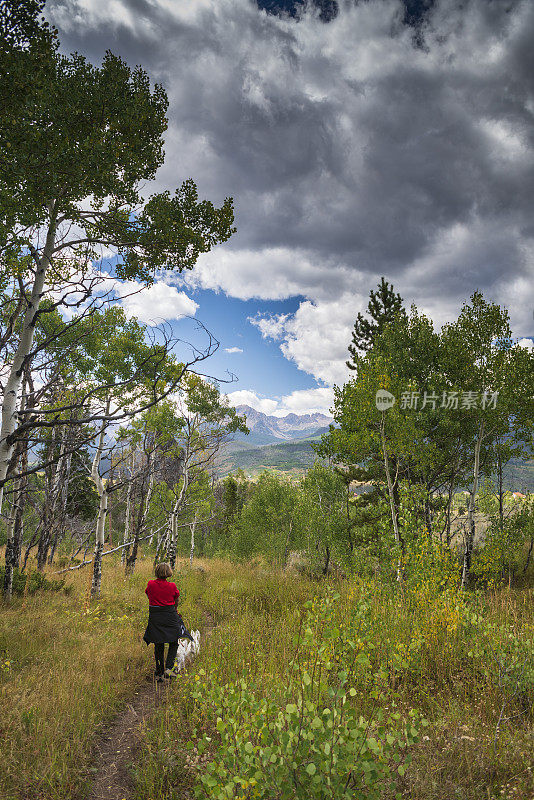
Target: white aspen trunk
x: 450, y: 497
x: 127, y: 515
x: 14, y: 381
x: 12, y: 555
x: 162, y: 545
x: 64, y: 494
x: 171, y: 551
x: 470, y: 534
x: 286, y: 548
x: 61, y: 477
x: 48, y: 508
x: 394, y: 520
x: 63, y: 499
x: 192, y: 526
x: 10, y: 544
x: 56, y: 482
x: 140, y: 529
x: 99, y: 545
x: 102, y: 511
x: 151, y: 472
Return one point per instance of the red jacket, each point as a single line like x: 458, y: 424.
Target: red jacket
x: 162, y: 593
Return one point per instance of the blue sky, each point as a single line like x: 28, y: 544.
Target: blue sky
x: 358, y: 139
x: 249, y: 366
x: 261, y: 366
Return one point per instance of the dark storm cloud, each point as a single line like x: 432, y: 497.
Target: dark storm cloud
x: 327, y: 9
x: 352, y: 147
x: 415, y: 11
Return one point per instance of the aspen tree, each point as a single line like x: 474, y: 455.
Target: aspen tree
x: 82, y: 141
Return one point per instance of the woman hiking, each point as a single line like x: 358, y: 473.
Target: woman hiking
x: 165, y: 625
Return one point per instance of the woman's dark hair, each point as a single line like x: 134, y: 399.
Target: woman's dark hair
x: 163, y: 570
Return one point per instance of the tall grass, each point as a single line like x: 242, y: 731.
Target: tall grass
x: 465, y: 662
x: 65, y: 667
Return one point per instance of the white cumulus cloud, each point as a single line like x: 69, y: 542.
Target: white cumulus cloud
x: 156, y: 303
x: 245, y: 397
x: 351, y: 151
x: 301, y: 401
x: 317, y: 335
x: 269, y: 273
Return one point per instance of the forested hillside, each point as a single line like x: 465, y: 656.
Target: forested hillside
x: 290, y: 456
x: 298, y: 456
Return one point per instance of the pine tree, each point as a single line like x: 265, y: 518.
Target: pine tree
x: 384, y: 306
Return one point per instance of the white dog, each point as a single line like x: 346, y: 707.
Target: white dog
x: 186, y: 650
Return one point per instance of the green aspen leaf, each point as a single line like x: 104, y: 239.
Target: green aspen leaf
x: 373, y: 745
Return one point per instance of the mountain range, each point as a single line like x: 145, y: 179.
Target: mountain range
x: 266, y: 429
x: 285, y: 443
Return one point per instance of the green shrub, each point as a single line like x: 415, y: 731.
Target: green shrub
x: 37, y: 582
x: 500, y: 557
x: 308, y: 741
x: 305, y: 750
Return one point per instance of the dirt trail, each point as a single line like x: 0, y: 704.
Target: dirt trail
x: 116, y: 747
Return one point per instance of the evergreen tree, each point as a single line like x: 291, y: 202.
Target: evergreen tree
x: 384, y: 306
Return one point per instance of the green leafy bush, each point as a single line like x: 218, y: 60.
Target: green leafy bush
x: 37, y: 582
x: 500, y: 557
x: 306, y: 750
x: 309, y: 741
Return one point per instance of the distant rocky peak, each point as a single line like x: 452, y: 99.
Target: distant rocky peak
x: 291, y: 426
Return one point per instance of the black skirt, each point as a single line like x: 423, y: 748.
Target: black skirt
x: 165, y: 625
